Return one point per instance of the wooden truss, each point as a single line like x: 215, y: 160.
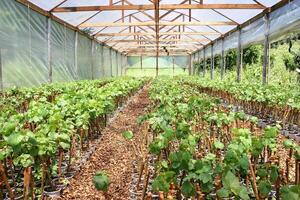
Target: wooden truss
x: 173, y: 31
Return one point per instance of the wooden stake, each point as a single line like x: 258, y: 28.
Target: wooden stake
x: 5, y: 180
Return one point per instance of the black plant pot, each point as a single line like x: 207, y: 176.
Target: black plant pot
x: 18, y: 194
x: 59, y: 183
x: 52, y: 192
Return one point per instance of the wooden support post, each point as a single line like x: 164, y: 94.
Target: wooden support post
x: 1, y: 74
x: 130, y: 19
x: 266, y: 61
x: 123, y: 12
x: 204, y: 62
x: 222, y: 60
x: 212, y: 63
x: 239, y: 57
x: 76, y: 57
x: 190, y: 12
x: 49, y: 65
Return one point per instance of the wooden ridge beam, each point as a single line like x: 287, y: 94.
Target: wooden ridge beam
x: 160, y: 47
x: 153, y: 33
x: 160, y: 51
x: 153, y: 55
x: 121, y: 45
x: 161, y: 7
x: 161, y: 40
x: 152, y: 23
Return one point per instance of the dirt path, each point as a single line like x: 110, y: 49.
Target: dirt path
x: 114, y: 155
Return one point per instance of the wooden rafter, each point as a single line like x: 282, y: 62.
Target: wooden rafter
x: 161, y: 7
x: 153, y: 33
x: 161, y: 47
x: 160, y: 40
x: 121, y: 45
x: 151, y: 23
x: 170, y: 11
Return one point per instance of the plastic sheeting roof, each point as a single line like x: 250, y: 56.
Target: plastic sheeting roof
x: 139, y: 38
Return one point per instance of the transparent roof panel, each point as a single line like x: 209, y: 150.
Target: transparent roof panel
x: 210, y: 32
x: 75, y: 18
x: 72, y: 3
x: 46, y: 5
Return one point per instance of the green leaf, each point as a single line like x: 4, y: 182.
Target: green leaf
x: 188, y: 189
x: 243, y: 193
x: 244, y: 162
x: 162, y: 181
x: 218, y: 145
x: 290, y: 192
x: 262, y: 173
x: 64, y: 145
x: 288, y: 144
x: 264, y: 188
x: 205, y: 177
x: 128, y: 135
x: 223, y: 193
x: 14, y: 139
x: 101, y: 181
x: 231, y: 182
x: 164, y: 164
x: 274, y: 173
x: 25, y: 160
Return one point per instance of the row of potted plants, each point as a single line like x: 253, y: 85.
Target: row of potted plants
x: 204, y: 150
x: 281, y: 102
x: 39, y: 145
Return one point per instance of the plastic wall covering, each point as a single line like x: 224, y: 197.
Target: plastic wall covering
x: 62, y: 53
x: 286, y: 19
x: 24, y: 50
x: 283, y: 20
x: 254, y: 33
x: 120, y: 64
x: 84, y: 54
x: 231, y: 42
x: 23, y: 45
x: 114, y: 63
x: 97, y: 61
x: 107, y: 62
x: 208, y: 52
x: 218, y: 48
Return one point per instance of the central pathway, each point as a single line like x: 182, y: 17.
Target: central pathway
x: 114, y: 155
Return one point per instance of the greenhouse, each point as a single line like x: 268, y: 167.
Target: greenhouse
x: 150, y: 99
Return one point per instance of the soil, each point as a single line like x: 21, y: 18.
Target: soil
x: 114, y: 155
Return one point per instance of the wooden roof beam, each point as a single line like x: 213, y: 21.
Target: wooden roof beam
x: 153, y: 33
x: 121, y: 45
x: 161, y: 7
x: 161, y: 40
x: 152, y: 23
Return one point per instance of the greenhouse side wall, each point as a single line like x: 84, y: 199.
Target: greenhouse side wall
x: 35, y: 50
x: 274, y: 25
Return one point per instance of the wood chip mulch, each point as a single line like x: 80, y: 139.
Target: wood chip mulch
x: 114, y: 155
